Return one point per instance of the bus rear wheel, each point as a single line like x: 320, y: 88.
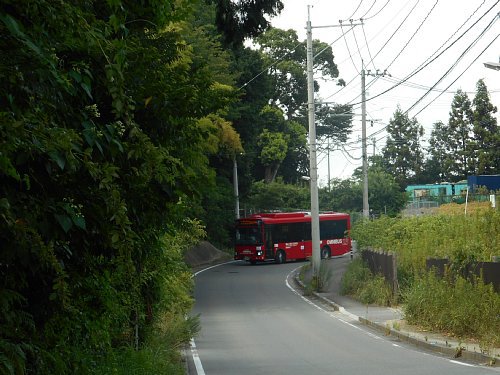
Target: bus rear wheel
x: 325, y: 253
x: 280, y: 257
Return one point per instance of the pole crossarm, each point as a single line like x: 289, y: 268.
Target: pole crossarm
x: 340, y: 25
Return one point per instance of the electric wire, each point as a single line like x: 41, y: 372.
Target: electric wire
x: 415, y: 33
x: 385, y: 44
x: 357, y: 46
x: 269, y: 66
x: 376, y: 14
x: 467, y: 68
x: 372, y: 59
x: 330, y: 44
x: 406, y: 45
x: 348, y: 49
x: 353, y: 13
x: 418, y: 70
x: 368, y: 11
x: 419, y: 86
x: 368, y: 47
x: 455, y: 63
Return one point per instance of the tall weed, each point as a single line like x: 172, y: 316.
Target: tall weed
x: 414, y: 239
x: 459, y: 307
x: 359, y: 282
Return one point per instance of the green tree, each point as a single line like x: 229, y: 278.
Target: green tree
x: 344, y: 196
x: 459, y: 133
x: 238, y: 20
x: 334, y: 122
x: 274, y: 146
x: 438, y: 165
x: 384, y: 193
x: 105, y: 115
x: 402, y: 153
x: 278, y: 196
x: 486, y: 139
x: 287, y: 61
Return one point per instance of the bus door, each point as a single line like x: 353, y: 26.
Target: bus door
x: 268, y: 237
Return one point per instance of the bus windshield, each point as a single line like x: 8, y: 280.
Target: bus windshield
x: 248, y: 235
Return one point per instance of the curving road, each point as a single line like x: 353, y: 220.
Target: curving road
x: 253, y: 322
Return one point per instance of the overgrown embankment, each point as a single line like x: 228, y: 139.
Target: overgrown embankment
x: 458, y: 304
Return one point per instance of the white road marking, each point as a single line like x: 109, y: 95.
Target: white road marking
x: 350, y: 315
x: 462, y: 363
x: 196, y: 359
x: 194, y: 352
x: 217, y: 265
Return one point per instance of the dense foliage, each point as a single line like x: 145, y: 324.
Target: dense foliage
x: 106, y: 109
x: 120, y: 123
x: 453, y: 236
x: 462, y: 307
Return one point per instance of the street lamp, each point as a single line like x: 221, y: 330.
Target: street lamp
x: 492, y: 65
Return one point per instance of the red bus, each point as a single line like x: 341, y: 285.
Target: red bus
x: 286, y: 236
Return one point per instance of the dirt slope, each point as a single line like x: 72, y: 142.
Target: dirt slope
x: 205, y: 254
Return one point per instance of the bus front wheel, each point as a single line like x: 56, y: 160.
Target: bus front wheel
x: 280, y: 257
x: 325, y: 253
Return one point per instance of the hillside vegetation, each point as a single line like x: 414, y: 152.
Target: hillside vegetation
x: 448, y: 234
x: 457, y: 304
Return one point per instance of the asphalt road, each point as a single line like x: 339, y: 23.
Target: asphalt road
x: 253, y: 322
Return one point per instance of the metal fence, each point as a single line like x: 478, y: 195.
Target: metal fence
x: 383, y: 263
x: 489, y: 272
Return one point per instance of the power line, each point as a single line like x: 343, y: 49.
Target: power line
x: 368, y: 48
x: 477, y: 57
x: 348, y: 49
x: 353, y: 13
x: 455, y: 63
x: 388, y: 40
x: 415, y: 33
x: 270, y: 65
x: 419, y: 69
x: 370, y: 8
x: 371, y: 59
x: 380, y: 10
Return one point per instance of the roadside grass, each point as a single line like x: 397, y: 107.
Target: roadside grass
x: 359, y: 282
x: 159, y: 354
x: 450, y: 235
x: 317, y: 283
x: 456, y: 306
x: 460, y: 307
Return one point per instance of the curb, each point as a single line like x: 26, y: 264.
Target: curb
x: 454, y: 353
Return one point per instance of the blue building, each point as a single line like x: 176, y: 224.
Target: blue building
x: 492, y: 182
x: 444, y: 191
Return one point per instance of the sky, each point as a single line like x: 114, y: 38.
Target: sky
x: 401, y: 37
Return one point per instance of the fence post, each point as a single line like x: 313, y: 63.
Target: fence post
x: 395, y: 290
x: 354, y: 248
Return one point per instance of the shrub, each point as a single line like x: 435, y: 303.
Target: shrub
x: 359, y: 282
x: 459, y: 307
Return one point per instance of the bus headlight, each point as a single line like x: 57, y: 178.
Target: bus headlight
x: 259, y: 253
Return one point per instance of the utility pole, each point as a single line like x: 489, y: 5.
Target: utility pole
x: 329, y: 187
x: 313, y: 166
x: 235, y: 186
x: 366, y: 206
